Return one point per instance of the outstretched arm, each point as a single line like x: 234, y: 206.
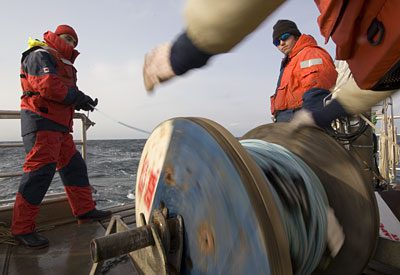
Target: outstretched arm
x: 212, y: 27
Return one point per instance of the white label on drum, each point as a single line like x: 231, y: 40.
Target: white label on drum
x: 150, y: 165
x: 389, y: 227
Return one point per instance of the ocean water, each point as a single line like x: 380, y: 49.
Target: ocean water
x: 112, y: 166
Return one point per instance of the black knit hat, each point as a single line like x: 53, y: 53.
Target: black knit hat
x: 283, y: 26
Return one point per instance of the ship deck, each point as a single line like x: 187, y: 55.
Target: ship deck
x: 69, y: 251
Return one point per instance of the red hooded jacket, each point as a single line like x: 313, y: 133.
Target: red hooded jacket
x: 48, y: 80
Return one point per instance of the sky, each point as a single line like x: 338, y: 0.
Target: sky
x: 114, y: 35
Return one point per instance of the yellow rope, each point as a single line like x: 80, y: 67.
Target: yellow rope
x: 5, y: 235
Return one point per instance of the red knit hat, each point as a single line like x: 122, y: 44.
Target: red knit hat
x: 65, y: 29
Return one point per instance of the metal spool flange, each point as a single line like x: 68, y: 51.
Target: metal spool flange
x: 197, y: 169
x: 349, y: 192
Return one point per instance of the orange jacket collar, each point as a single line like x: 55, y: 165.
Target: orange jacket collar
x: 304, y: 40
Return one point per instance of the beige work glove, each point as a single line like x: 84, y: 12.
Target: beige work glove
x: 335, y: 235
x: 302, y: 118
x: 157, y: 66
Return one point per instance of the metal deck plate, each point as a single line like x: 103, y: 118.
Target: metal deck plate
x: 199, y: 170
x: 69, y: 250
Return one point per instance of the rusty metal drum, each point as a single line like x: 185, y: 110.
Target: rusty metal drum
x: 232, y: 225
x: 349, y: 192
x: 198, y: 170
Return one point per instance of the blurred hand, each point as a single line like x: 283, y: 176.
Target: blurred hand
x: 87, y: 104
x: 335, y: 235
x: 157, y: 66
x: 302, y: 118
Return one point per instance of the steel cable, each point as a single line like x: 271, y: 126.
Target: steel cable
x: 301, y: 200
x: 119, y: 122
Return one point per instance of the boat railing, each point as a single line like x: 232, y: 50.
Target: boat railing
x: 388, y: 147
x: 85, y: 124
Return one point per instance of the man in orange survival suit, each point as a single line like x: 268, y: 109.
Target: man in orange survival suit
x: 50, y: 95
x: 307, y: 72
x: 211, y: 29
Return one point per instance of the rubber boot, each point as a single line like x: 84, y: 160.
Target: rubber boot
x: 32, y: 240
x: 95, y: 215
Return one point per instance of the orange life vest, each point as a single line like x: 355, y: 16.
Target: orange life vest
x: 308, y: 66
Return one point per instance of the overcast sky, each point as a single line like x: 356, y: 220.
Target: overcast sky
x: 114, y: 36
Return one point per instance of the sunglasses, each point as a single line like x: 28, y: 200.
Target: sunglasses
x: 283, y: 37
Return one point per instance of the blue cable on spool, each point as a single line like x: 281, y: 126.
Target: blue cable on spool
x: 301, y: 200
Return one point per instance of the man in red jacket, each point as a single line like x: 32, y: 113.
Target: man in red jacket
x: 307, y: 72
x: 50, y: 96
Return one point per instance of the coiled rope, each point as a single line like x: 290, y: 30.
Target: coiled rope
x: 5, y: 235
x: 301, y: 200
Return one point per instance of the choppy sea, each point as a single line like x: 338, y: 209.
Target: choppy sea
x: 112, y: 166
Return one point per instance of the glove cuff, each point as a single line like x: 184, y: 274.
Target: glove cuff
x: 330, y: 112
x: 185, y: 55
